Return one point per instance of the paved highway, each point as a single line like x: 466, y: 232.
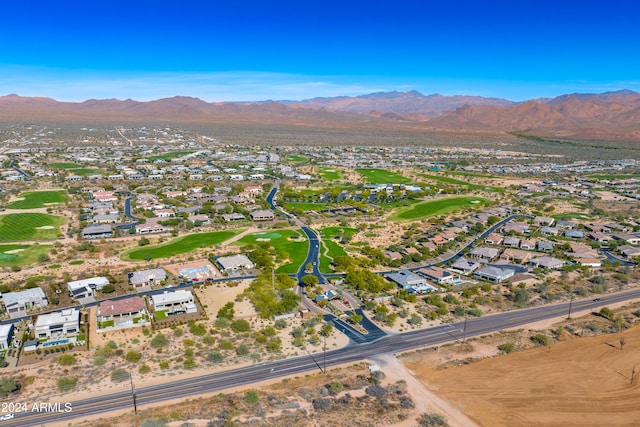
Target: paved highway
x: 212, y: 383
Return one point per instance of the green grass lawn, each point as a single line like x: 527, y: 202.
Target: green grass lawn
x: 296, y: 158
x: 333, y: 248
x: 29, y: 226
x: 87, y: 171
x: 286, y: 249
x: 382, y: 176
x: 21, y: 255
x: 570, y: 216
x: 180, y: 245
x: 452, y: 181
x: 170, y: 155
x: 611, y: 177
x: 305, y: 206
x: 39, y: 199
x: 472, y: 174
x: 64, y: 165
x: 436, y: 207
x: 329, y: 174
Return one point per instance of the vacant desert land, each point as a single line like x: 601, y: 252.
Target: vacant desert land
x: 577, y: 382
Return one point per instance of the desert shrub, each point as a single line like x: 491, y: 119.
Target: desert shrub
x: 159, y: 341
x: 507, y: 347
x: 540, y: 339
x: 133, y: 357
x: 67, y: 360
x: 66, y: 383
x: 432, y: 419
x: 321, y: 404
x: 375, y: 390
x: 251, y: 397
x: 119, y: 375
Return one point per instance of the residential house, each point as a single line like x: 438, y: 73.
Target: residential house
x: 176, y: 302
x: 6, y: 333
x: 516, y: 227
x: 97, y: 231
x: 438, y: 275
x: 262, y: 215
x: 122, y: 311
x: 494, y: 239
x: 233, y: 217
x: 546, y: 262
x: 494, y: 274
x: 628, y: 251
x: 574, y: 234
x: 511, y: 254
x: 527, y: 244
x: 141, y: 278
x: 410, y: 281
x: 86, y: 287
x: 17, y: 303
x: 566, y: 225
x: 58, y: 324
x: 235, y: 262
x: 544, y: 246
x: 512, y: 242
x: 627, y: 238
x: 151, y: 226
x: 599, y: 237
x: 548, y: 231
x: 484, y: 253
x: 464, y: 266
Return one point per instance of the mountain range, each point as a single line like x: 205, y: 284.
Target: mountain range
x: 605, y: 116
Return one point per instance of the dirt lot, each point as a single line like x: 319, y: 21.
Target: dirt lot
x: 575, y: 381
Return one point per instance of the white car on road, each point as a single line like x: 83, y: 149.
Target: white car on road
x: 6, y: 417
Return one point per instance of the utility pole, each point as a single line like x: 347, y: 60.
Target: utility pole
x: 133, y: 395
x: 570, y: 303
x: 464, y: 330
x: 324, y: 347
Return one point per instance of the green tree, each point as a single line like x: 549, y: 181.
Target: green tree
x: 355, y: 318
x: 240, y: 325
x: 309, y: 280
x: 227, y: 311
x: 251, y: 397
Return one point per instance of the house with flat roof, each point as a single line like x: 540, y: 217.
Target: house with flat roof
x: 84, y: 288
x: 176, y: 302
x: 122, y: 311
x: 494, y: 274
x: 546, y: 262
x: 151, y: 277
x: 233, y: 217
x: 235, y: 262
x: 58, y: 324
x: 410, y: 281
x: 102, y: 231
x: 17, y: 303
x: 6, y: 333
x: 262, y: 215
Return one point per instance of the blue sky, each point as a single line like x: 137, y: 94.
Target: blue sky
x: 256, y: 50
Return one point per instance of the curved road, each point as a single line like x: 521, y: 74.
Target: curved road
x: 245, y: 376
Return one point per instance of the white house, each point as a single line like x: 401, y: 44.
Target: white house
x: 147, y: 277
x: 17, y: 303
x: 177, y: 302
x: 58, y: 324
x: 86, y: 287
x: 235, y: 262
x: 6, y: 332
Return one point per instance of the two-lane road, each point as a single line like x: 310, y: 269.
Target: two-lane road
x: 212, y: 383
